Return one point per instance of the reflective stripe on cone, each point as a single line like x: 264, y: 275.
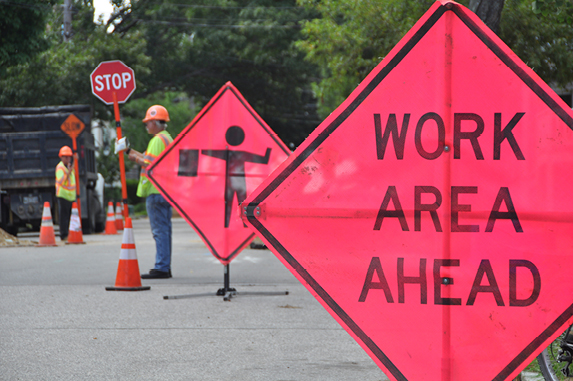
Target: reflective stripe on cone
x: 75, y: 235
x: 47, y: 236
x: 110, y: 221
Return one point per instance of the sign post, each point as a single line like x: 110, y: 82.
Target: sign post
x: 431, y: 213
x: 113, y: 82
x: 74, y: 127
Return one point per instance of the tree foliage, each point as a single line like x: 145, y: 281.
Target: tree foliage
x: 562, y: 10
x: 543, y: 41
x: 286, y: 58
x: 189, y: 46
x: 347, y: 42
x: 22, y: 30
x: 205, y: 43
x: 60, y: 74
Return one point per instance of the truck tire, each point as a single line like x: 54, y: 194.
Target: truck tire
x: 99, y: 227
x: 97, y: 212
x: 10, y: 229
x: 89, y: 223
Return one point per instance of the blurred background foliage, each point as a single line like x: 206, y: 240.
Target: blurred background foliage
x: 294, y: 61
x: 351, y: 37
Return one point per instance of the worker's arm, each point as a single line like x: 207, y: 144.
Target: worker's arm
x: 122, y: 145
x: 65, y: 174
x: 136, y: 157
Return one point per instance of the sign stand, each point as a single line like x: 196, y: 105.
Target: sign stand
x: 223, y: 154
x: 227, y: 292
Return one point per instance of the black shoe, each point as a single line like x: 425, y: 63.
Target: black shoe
x: 156, y: 274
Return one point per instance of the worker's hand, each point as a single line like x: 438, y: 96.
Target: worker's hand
x: 121, y: 144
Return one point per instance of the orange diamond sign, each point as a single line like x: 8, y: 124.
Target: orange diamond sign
x: 213, y: 164
x: 431, y: 213
x: 72, y: 126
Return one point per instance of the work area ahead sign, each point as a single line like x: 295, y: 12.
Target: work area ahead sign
x: 213, y: 164
x: 431, y: 213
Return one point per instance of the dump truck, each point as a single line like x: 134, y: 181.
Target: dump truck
x: 30, y: 140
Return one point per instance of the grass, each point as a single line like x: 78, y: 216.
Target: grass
x: 533, y: 368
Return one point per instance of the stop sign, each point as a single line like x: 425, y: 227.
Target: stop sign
x: 112, y: 77
x: 431, y: 213
x: 213, y: 164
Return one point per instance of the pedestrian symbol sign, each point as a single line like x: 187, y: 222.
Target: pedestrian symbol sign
x: 211, y: 167
x: 431, y: 213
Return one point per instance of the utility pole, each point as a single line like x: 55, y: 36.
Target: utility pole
x: 67, y: 20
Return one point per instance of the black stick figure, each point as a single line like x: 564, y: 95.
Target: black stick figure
x: 235, y: 172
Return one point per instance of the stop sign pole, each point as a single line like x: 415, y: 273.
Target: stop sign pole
x: 121, y: 157
x: 114, y: 82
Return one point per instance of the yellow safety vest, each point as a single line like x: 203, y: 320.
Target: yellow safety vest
x: 156, y: 145
x: 65, y: 182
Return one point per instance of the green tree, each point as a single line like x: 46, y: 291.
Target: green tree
x: 60, y: 74
x: 204, y: 44
x: 22, y: 30
x: 188, y: 46
x: 561, y: 9
x: 347, y: 42
x: 544, y: 41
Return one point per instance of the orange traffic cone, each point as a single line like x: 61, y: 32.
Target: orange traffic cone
x: 47, y: 236
x: 75, y: 235
x: 118, y: 216
x: 110, y: 221
x: 128, y: 277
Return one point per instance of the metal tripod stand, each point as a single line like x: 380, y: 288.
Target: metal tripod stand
x: 227, y: 292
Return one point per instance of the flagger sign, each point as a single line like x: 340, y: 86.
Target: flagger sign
x: 431, y: 213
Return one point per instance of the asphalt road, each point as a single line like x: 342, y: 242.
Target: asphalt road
x: 57, y: 321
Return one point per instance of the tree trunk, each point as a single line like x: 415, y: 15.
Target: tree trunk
x: 489, y: 11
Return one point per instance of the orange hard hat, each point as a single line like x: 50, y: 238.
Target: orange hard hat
x: 65, y: 151
x: 156, y: 112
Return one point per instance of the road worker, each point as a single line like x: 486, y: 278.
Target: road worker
x: 65, y: 189
x: 158, y: 209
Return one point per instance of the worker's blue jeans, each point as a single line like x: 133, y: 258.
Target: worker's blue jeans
x: 159, y: 212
